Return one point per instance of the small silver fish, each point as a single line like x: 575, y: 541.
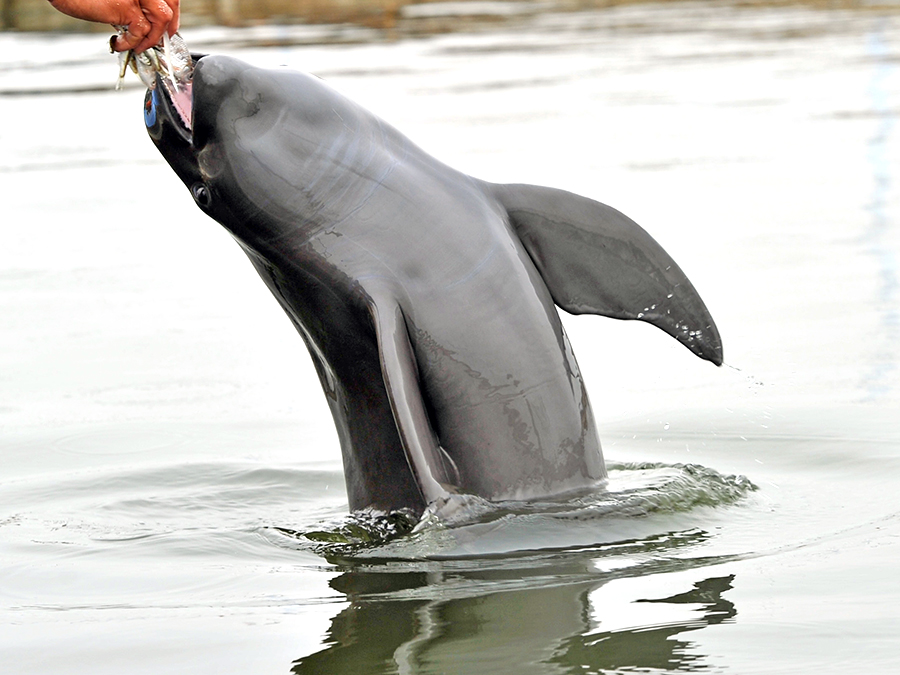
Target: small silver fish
x: 171, y: 59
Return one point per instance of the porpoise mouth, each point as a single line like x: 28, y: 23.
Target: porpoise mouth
x: 180, y: 95
x: 178, y: 92
x: 168, y: 66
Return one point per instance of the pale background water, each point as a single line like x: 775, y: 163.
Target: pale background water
x: 160, y: 419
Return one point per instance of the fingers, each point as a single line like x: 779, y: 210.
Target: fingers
x: 175, y: 6
x: 136, y: 32
x: 159, y: 15
x: 145, y: 21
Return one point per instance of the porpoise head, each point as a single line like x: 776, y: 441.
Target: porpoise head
x: 195, y: 132
x: 205, y: 137
x: 251, y: 144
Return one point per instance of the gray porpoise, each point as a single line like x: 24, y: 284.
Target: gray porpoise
x: 425, y: 296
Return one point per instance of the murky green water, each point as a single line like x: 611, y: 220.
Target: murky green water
x: 171, y: 498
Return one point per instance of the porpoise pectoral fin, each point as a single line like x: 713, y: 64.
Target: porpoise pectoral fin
x: 596, y: 260
x: 401, y: 381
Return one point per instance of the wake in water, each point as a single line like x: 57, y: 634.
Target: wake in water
x: 619, y: 511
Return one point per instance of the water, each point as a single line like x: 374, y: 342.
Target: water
x: 171, y: 498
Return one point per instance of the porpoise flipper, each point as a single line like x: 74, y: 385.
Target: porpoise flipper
x: 401, y: 381
x: 596, y: 260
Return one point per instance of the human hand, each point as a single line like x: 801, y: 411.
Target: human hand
x: 145, y: 20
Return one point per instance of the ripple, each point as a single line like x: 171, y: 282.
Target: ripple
x: 639, y: 503
x: 189, y: 508
x: 116, y: 440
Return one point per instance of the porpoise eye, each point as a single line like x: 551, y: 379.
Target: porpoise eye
x: 201, y: 194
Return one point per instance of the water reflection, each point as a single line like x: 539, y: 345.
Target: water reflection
x: 652, y: 648
x: 527, y: 614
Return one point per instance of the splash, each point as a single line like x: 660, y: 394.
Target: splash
x: 633, y: 505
